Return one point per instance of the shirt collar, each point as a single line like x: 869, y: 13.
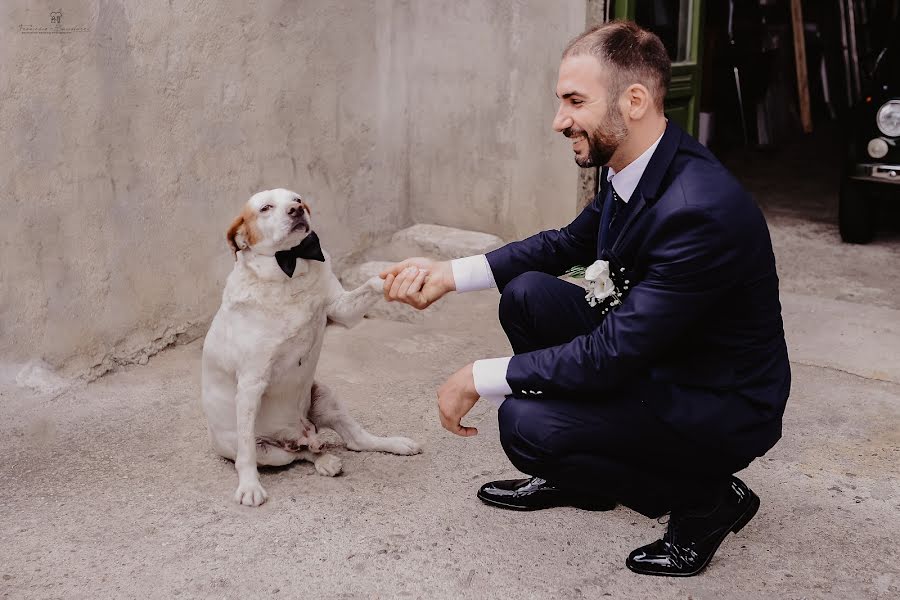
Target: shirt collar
x: 627, y: 179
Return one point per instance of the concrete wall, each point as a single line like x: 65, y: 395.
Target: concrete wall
x: 483, y: 154
x: 133, y: 139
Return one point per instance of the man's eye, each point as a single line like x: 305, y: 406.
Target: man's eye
x: 577, y: 102
x: 265, y: 208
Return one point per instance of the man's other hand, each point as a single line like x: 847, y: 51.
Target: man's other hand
x: 419, y: 282
x: 455, y: 399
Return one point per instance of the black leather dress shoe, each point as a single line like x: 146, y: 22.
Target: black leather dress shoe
x: 692, y: 539
x: 535, y: 493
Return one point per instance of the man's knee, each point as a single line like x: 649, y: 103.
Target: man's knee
x: 524, y: 435
x: 519, y: 294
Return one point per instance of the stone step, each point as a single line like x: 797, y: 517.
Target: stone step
x: 434, y: 241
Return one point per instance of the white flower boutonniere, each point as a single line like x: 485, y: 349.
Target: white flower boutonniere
x: 600, y: 285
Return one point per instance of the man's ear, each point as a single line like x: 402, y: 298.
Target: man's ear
x: 236, y: 229
x: 637, y: 101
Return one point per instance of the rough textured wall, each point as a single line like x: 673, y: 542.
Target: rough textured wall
x: 129, y: 148
x: 132, y: 139
x: 481, y: 96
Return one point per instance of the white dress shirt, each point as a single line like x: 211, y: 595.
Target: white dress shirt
x: 474, y: 273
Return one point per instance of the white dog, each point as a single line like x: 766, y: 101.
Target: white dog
x: 260, y: 355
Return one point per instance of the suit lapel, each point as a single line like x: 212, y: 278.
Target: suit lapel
x: 648, y: 188
x: 634, y: 207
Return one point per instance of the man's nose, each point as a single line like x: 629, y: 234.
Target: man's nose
x: 562, y: 120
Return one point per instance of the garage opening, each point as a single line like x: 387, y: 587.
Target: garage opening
x: 799, y: 98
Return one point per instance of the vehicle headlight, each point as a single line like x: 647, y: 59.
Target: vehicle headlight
x: 888, y: 118
x: 877, y: 148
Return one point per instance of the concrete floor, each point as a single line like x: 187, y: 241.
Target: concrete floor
x: 111, y: 490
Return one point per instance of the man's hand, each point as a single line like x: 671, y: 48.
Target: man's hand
x: 455, y: 399
x: 418, y: 282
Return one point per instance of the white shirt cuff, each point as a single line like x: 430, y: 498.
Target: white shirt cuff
x: 472, y: 273
x: 490, y: 377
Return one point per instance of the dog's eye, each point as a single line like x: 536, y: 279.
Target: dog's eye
x: 265, y: 208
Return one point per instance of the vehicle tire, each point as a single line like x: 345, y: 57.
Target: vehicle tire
x: 856, y: 214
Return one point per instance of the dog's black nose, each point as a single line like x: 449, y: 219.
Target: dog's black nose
x: 294, y: 210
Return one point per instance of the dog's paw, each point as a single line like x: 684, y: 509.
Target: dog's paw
x: 375, y: 284
x: 250, y: 493
x: 401, y: 445
x: 328, y: 465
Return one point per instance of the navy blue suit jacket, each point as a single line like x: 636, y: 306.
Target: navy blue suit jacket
x: 699, y: 336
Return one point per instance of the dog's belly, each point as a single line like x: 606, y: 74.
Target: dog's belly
x: 291, y: 347
x: 286, y: 402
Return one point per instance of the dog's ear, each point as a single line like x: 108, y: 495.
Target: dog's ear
x: 243, y: 232
x: 236, y: 229
x: 305, y: 207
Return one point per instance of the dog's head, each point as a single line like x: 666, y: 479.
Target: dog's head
x: 271, y: 221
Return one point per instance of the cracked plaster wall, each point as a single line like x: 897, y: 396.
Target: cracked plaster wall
x: 132, y: 141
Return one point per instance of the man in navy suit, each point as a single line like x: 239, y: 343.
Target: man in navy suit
x: 655, y: 396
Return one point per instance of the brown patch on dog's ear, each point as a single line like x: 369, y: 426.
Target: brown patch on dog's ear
x: 305, y: 207
x: 232, y: 234
x: 245, y: 226
x: 251, y: 233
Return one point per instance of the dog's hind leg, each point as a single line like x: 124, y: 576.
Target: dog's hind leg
x: 326, y: 464
x: 272, y: 454
x: 327, y: 411
x: 268, y: 455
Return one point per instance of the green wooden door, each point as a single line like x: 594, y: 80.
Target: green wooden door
x: 679, y: 23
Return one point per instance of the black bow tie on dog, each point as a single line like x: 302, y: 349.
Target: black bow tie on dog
x: 309, y: 249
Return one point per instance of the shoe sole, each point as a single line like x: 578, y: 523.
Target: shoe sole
x: 739, y: 524
x: 520, y: 508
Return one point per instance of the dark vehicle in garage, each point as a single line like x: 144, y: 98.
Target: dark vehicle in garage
x: 872, y: 172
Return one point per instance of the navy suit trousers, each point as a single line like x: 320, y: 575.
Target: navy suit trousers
x: 612, y: 445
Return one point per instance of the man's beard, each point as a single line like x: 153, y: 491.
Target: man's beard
x: 603, y: 141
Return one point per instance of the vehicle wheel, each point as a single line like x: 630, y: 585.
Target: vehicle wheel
x: 856, y: 214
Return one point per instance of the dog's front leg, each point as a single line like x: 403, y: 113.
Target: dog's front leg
x: 250, y: 389
x: 348, y: 308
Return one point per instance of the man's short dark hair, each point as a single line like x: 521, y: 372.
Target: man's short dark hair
x: 633, y: 55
